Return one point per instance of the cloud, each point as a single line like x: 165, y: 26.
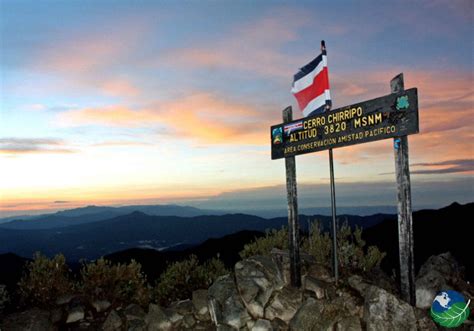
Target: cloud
x: 254, y: 47
x: 203, y: 117
x: 13, y: 146
x: 456, y: 166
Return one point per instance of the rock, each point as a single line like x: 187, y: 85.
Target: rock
x: 424, y: 322
x: 101, y: 305
x: 75, y: 315
x: 437, y: 273
x: 284, y: 304
x: 113, y: 322
x: 317, y: 286
x: 200, y: 305
x: 350, y: 323
x: 56, y: 315
x: 358, y: 284
x: 225, y: 327
x: 4, y: 297
x: 384, y: 311
x: 262, y: 325
x: 189, y: 321
x: 136, y: 325
x: 156, y: 319
x: 64, y: 299
x: 321, y: 272
x: 308, y: 316
x: 225, y: 306
x: 133, y: 312
x: 256, y: 278
x: 174, y: 317
x: 279, y: 325
x: 30, y: 320
x: 183, y: 307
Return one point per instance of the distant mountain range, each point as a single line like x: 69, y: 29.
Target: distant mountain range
x: 91, y: 214
x: 435, y: 231
x: 91, y: 232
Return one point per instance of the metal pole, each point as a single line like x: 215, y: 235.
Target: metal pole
x: 293, y: 223
x: 333, y: 199
x: 334, y: 225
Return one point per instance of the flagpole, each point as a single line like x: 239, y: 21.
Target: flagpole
x: 333, y: 199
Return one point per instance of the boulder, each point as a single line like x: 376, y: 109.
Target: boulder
x: 183, y: 307
x: 262, y: 325
x: 133, y: 312
x: 4, y: 297
x: 75, y: 315
x: 284, y: 304
x: 189, y: 321
x: 113, y: 322
x: 136, y: 325
x: 200, y: 305
x: 424, y: 322
x: 257, y: 278
x: 64, y: 299
x: 317, y: 286
x: 308, y: 317
x: 349, y: 323
x: 156, y: 319
x: 279, y: 325
x: 30, y: 320
x: 101, y: 305
x: 321, y: 272
x: 225, y: 305
x: 384, y: 311
x: 437, y: 273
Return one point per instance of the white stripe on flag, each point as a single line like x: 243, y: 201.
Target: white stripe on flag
x: 307, y: 80
x: 316, y: 103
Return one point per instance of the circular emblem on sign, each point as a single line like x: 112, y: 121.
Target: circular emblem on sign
x: 449, y: 309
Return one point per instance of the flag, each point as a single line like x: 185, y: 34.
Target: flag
x: 311, y: 86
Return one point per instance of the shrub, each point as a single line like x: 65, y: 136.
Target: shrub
x: 351, y: 250
x: 120, y: 283
x: 181, y: 278
x: 4, y: 297
x: 263, y: 246
x: 45, y: 280
x: 318, y: 244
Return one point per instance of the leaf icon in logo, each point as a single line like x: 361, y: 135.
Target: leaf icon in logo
x: 456, y: 314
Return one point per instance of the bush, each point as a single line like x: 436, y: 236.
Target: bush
x: 318, y: 244
x: 45, y: 280
x: 4, y: 297
x: 181, y: 278
x: 121, y: 283
x: 263, y: 246
x: 352, y: 254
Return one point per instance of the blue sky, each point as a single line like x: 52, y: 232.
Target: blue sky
x: 114, y: 102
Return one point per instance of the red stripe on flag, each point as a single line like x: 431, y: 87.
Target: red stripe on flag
x: 320, y: 83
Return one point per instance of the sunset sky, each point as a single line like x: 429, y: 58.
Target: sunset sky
x: 120, y: 102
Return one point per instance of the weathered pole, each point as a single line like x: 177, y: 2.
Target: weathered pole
x: 405, y: 217
x: 293, y: 224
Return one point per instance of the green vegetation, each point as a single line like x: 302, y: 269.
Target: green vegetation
x: 352, y: 251
x: 263, y: 246
x: 120, y: 283
x: 181, y: 278
x: 45, y: 280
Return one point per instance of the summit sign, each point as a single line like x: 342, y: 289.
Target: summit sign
x: 390, y: 116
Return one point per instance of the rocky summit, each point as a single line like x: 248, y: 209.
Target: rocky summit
x: 257, y: 296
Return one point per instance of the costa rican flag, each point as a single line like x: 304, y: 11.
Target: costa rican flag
x: 289, y: 128
x: 311, y: 86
